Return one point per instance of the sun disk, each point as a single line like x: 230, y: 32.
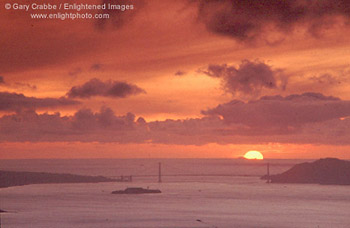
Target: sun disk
x: 253, y: 155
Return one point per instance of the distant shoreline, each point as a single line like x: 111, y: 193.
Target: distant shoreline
x: 14, y: 178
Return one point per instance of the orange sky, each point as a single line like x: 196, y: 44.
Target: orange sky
x: 194, y: 75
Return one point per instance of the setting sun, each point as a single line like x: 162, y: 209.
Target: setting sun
x: 253, y: 155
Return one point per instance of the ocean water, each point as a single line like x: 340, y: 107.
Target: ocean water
x: 195, y: 193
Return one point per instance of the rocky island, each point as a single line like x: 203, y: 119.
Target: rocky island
x: 331, y: 171
x: 136, y: 191
x: 10, y: 178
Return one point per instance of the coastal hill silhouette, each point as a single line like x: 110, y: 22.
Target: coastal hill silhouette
x: 330, y: 171
x: 10, y: 178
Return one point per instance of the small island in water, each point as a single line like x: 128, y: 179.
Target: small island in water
x: 10, y: 178
x: 330, y: 171
x: 136, y: 191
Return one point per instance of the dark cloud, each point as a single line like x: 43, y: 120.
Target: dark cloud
x: 15, y: 102
x: 96, y: 67
x: 249, y: 20
x: 96, y: 87
x: 289, y: 112
x: 248, y: 78
x: 180, y: 73
x: 85, y: 119
x: 84, y: 126
x: 2, y: 80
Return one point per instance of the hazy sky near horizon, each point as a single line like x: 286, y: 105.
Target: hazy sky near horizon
x: 186, y: 78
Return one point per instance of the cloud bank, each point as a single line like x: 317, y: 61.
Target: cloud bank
x: 16, y: 101
x: 282, y: 112
x: 298, y: 118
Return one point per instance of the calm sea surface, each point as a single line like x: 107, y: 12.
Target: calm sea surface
x: 195, y: 193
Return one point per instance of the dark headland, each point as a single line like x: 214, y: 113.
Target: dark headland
x: 331, y: 171
x: 10, y: 178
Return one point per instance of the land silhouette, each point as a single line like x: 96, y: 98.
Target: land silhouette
x: 330, y: 171
x: 11, y: 178
x: 136, y: 191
